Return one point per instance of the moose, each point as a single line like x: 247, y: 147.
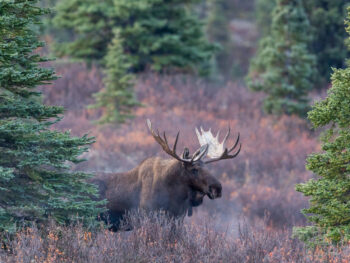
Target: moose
x: 172, y: 185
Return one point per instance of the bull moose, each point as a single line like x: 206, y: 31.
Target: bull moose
x: 173, y: 185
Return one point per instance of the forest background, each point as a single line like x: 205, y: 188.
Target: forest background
x: 213, y: 90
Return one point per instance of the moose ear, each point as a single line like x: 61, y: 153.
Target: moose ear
x: 186, y: 153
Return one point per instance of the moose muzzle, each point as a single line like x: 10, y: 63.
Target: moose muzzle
x: 215, y: 191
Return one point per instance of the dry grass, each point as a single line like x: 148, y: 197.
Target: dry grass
x: 156, y: 238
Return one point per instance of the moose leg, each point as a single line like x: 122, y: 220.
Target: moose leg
x: 112, y: 219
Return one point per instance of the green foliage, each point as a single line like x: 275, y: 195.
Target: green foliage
x: 328, y: 35
x: 46, y: 27
x: 218, y: 32
x: 91, y: 23
x: 160, y: 35
x: 155, y: 33
x: 283, y: 68
x: 164, y: 35
x: 35, y: 182
x: 330, y: 191
x: 264, y: 9
x: 117, y: 97
x: 327, y: 21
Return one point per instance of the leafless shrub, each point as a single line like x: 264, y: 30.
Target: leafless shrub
x: 157, y: 238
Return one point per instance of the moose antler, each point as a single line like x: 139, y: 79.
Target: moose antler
x: 172, y: 152
x: 217, y: 151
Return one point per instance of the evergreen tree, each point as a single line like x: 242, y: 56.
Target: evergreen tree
x: 263, y: 12
x: 117, y: 98
x: 328, y: 44
x: 330, y: 191
x: 328, y: 35
x: 163, y: 35
x: 157, y: 34
x: 283, y: 68
x: 218, y: 32
x: 35, y: 182
x: 90, y: 25
x: 47, y: 28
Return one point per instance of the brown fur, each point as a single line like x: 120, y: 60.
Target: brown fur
x: 157, y: 184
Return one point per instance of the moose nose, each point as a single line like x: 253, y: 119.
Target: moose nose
x: 214, y: 191
x: 219, y: 192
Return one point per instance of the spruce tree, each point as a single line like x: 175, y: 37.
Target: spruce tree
x: 117, y: 97
x: 35, y: 181
x: 218, y: 32
x: 283, y: 68
x: 163, y: 35
x: 263, y: 11
x: 328, y: 44
x: 330, y: 191
x: 326, y: 18
x: 157, y: 34
x: 90, y: 25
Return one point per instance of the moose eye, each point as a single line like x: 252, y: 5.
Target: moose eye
x: 195, y: 172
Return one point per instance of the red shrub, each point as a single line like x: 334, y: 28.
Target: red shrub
x: 156, y: 238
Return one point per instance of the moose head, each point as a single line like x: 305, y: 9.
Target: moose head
x: 192, y: 168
